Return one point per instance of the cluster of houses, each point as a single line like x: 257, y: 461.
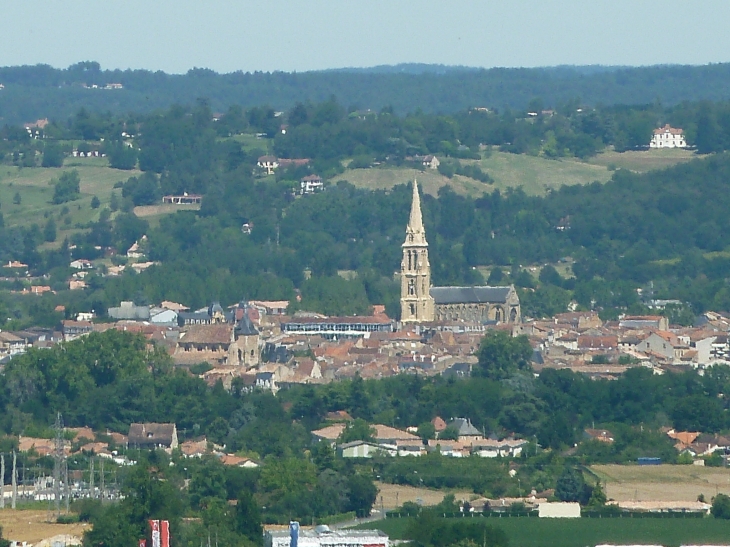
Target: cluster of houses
x: 308, y: 184
x: 584, y: 343
x: 465, y: 440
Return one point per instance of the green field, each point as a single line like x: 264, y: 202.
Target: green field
x: 643, y: 161
x: 535, y: 175
x: 536, y: 532
x: 36, y: 192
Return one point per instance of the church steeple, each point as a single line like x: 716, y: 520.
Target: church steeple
x: 416, y: 302
x: 415, y: 222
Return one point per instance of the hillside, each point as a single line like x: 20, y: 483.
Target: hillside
x: 35, y: 189
x: 33, y: 92
x: 535, y: 175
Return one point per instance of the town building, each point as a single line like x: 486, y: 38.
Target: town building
x: 422, y: 303
x: 338, y: 327
x: 151, y: 436
x: 311, y: 184
x: 668, y: 137
x: 268, y: 164
x: 185, y: 199
x: 322, y: 536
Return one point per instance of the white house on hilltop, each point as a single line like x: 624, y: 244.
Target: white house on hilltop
x: 668, y: 137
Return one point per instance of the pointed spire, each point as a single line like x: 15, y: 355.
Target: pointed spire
x: 415, y: 223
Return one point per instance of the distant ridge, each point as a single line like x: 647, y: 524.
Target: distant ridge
x: 32, y: 92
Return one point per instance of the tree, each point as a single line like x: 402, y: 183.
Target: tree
x: 451, y: 433
x: 427, y: 431
x: 95, y: 203
x: 49, y: 231
x: 16, y: 198
x: 721, y: 507
x: 362, y: 494
x: 571, y: 486
x: 66, y: 187
x: 598, y: 497
x: 357, y: 430
x: 218, y: 430
x: 248, y: 518
x: 113, y: 202
x: 121, y: 156
x: 501, y: 355
x: 52, y: 156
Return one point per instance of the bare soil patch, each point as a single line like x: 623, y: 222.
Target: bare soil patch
x: 662, y: 482
x: 32, y: 526
x: 393, y: 495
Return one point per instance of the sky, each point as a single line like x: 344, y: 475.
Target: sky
x: 301, y: 35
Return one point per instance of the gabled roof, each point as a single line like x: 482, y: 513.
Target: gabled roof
x: 151, y: 433
x: 471, y: 295
x: 465, y: 427
x: 206, y: 334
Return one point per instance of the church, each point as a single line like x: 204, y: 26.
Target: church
x: 422, y: 303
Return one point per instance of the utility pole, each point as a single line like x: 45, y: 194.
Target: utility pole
x: 14, y: 479
x: 2, y: 484
x: 91, y: 478
x: 102, y: 481
x: 58, y: 458
x: 67, y: 492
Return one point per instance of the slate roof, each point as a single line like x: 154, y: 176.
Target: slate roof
x: 470, y: 295
x: 245, y: 326
x: 465, y: 427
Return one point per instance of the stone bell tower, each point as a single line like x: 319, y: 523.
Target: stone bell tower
x: 416, y: 303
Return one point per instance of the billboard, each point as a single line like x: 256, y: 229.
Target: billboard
x: 293, y: 534
x: 155, y: 528
x: 165, y: 532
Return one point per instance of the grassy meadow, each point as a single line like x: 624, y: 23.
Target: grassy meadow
x: 34, y: 185
x: 643, y: 161
x: 535, y: 175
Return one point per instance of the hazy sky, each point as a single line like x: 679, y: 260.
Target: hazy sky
x: 228, y: 35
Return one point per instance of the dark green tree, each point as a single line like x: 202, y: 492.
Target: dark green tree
x: 49, y: 230
x: 67, y: 187
x: 95, y: 203
x: 52, y: 156
x: 502, y: 355
x: 721, y: 507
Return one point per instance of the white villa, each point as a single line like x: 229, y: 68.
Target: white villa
x: 668, y: 137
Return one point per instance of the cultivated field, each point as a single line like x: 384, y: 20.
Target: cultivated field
x: 31, y: 526
x: 647, y: 160
x: 536, y: 532
x: 393, y: 495
x: 662, y: 482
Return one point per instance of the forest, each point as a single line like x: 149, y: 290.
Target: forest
x: 33, y: 92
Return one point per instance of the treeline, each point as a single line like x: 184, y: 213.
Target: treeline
x: 328, y: 133
x: 33, y: 92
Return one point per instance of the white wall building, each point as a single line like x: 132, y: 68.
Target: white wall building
x: 668, y: 137
x: 322, y: 536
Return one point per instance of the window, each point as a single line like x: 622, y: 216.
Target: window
x: 411, y: 287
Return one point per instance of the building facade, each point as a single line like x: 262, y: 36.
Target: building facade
x: 668, y: 137
x: 416, y: 303
x: 422, y: 303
